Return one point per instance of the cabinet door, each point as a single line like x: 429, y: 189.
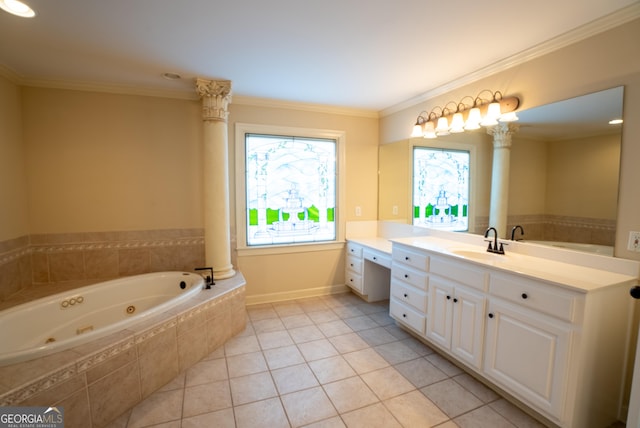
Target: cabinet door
x: 526, y: 353
x: 439, y: 315
x: 468, y: 326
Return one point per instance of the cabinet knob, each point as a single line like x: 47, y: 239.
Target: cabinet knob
x: 406, y: 276
x: 375, y: 258
x: 404, y: 315
x: 455, y: 300
x: 406, y: 295
x: 351, y: 264
x: 448, y: 297
x: 635, y: 292
x: 490, y: 315
x: 524, y: 295
x: 406, y: 258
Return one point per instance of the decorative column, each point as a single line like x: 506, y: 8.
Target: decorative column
x: 216, y: 95
x: 500, y: 176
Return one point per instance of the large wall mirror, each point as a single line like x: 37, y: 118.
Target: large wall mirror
x: 563, y: 180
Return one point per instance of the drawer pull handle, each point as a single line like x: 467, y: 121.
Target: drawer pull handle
x: 524, y: 295
x: 404, y: 315
x: 406, y: 258
x: 406, y: 295
x: 375, y: 258
x: 406, y: 276
x: 490, y: 315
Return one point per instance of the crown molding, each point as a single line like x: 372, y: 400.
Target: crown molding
x: 578, y: 34
x: 293, y: 105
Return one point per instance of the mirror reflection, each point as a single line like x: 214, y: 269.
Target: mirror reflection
x: 563, y: 179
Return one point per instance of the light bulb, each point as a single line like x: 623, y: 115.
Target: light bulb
x: 429, y: 130
x: 473, y: 121
x: 443, y: 126
x: 457, y: 123
x: 417, y: 131
x: 17, y: 8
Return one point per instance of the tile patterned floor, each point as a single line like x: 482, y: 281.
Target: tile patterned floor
x: 333, y: 361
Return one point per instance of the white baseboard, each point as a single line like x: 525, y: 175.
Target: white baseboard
x: 297, y: 294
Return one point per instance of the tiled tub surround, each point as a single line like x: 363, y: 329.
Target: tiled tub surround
x: 97, y: 382
x: 43, y: 259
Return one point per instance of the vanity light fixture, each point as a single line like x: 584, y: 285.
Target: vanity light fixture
x: 18, y: 8
x: 479, y: 112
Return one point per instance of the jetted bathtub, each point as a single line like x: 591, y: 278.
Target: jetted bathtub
x: 69, y: 319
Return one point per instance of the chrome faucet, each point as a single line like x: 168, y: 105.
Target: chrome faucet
x: 495, y: 248
x: 513, y: 232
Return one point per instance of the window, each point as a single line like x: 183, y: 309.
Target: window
x: 441, y: 188
x: 290, y: 187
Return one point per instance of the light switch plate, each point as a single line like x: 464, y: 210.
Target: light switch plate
x: 634, y: 241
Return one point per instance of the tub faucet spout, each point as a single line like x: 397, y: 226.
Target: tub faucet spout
x: 513, y: 232
x: 208, y: 279
x: 495, y: 248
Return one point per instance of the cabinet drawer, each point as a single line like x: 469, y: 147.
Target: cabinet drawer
x: 354, y: 264
x: 410, y: 276
x: 409, y: 295
x: 460, y: 271
x: 377, y: 257
x: 536, y: 295
x: 414, y: 259
x: 354, y: 281
x: 354, y: 249
x: 407, y: 316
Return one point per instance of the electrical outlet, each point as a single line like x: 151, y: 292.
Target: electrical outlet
x: 394, y: 210
x: 358, y: 211
x: 634, y: 241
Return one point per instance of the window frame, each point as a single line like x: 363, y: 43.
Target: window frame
x: 473, y: 184
x: 241, y: 129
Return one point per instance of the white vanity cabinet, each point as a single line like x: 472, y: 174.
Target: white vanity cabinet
x: 367, y: 269
x: 558, y: 348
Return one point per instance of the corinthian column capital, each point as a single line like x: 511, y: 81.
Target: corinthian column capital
x: 216, y: 96
x: 502, y: 133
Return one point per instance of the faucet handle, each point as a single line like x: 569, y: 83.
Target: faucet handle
x: 489, y: 248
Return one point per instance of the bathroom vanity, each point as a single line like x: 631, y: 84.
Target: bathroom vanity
x: 551, y: 333
x: 367, y: 268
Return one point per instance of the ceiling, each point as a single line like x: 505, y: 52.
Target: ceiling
x: 351, y: 54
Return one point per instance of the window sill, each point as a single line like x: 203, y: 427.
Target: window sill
x: 290, y: 248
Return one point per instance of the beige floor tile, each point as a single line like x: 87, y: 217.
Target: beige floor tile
x: 365, y: 360
x: 268, y: 324
x: 246, y: 364
x: 387, y: 383
x: 484, y: 417
x: 265, y: 413
x: 283, y: 357
x: 382, y: 318
x: 177, y: 382
x: 287, y: 308
x: 241, y: 345
x: 294, y: 378
x: 323, y: 316
x: 206, y: 371
x: 396, y: 352
x: 308, y: 406
x: 415, y: 410
x: 363, y: 322
x: 331, y: 369
x: 305, y: 334
x: 443, y: 364
x: 334, y: 422
x: 250, y: 388
x: 312, y: 304
x: 298, y: 320
x: 334, y: 328
x: 158, y: 408
x: 348, y: 311
x: 472, y: 385
x: 376, y: 336
x: 375, y: 416
x: 515, y: 415
x: 317, y: 349
x: 397, y: 332
x: 348, y: 343
x: 350, y: 394
x: 452, y: 398
x: 260, y: 312
x: 417, y: 346
x: 421, y: 372
x: 206, y: 398
x: 274, y: 339
x: 219, y: 419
